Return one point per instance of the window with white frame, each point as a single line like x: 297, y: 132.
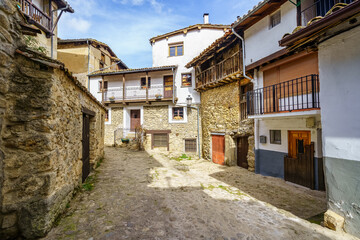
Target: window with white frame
x: 275, y: 19
x: 178, y: 113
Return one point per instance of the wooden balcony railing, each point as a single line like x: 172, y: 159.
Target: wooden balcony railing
x: 297, y: 94
x: 219, y: 71
x: 33, y: 12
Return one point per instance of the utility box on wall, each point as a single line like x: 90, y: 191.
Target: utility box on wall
x: 262, y: 139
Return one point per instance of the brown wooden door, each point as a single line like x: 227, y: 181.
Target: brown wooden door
x: 168, y: 86
x: 242, y: 151
x: 297, y: 142
x: 86, y: 147
x: 134, y: 119
x: 218, y: 149
x: 299, y: 164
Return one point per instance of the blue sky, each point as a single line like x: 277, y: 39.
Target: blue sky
x: 127, y: 25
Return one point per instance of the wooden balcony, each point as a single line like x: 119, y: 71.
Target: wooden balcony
x: 137, y: 94
x: 221, y: 73
x: 299, y: 94
x: 35, y: 15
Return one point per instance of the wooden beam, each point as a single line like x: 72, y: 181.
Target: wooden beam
x: 147, y: 87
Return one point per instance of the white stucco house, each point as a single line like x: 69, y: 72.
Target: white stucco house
x: 336, y: 36
x: 156, y: 97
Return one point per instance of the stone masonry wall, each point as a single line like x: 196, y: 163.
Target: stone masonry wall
x: 157, y: 118
x: 117, y: 114
x: 220, y: 113
x: 41, y: 133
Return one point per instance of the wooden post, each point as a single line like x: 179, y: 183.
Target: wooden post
x: 123, y: 89
x: 147, y: 87
x: 102, y: 89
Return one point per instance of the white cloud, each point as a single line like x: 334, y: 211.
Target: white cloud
x: 70, y: 24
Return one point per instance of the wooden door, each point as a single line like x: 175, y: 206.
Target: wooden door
x: 242, y: 151
x: 299, y: 164
x: 134, y: 119
x: 168, y: 86
x: 86, y: 147
x: 218, y: 149
x: 297, y: 142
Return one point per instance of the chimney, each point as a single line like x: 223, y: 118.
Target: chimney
x: 206, y: 18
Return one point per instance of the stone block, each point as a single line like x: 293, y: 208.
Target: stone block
x: 333, y: 221
x: 9, y: 220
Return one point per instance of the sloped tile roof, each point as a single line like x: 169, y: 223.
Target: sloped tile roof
x: 136, y: 70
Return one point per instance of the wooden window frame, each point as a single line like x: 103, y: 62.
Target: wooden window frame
x: 105, y: 84
x: 273, y: 137
x: 143, y: 86
x: 176, y: 45
x: 182, y: 83
x: 190, y: 139
x: 273, y: 18
x: 178, y: 115
x: 152, y: 132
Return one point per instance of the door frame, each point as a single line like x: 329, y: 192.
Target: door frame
x: 131, y: 118
x: 86, y: 113
x: 127, y: 116
x: 237, y: 150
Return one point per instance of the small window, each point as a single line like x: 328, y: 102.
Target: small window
x: 300, y: 146
x: 105, y: 86
x: 176, y: 50
x: 160, y: 139
x: 107, y: 116
x: 186, y: 80
x: 275, y: 136
x: 178, y: 113
x: 190, y: 145
x: 102, y: 57
x: 101, y: 65
x: 275, y: 19
x: 143, y: 82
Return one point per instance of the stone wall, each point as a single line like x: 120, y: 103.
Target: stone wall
x: 220, y: 113
x: 117, y: 114
x: 41, y: 132
x: 157, y: 118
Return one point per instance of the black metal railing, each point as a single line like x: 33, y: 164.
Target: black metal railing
x: 318, y: 8
x: 297, y: 94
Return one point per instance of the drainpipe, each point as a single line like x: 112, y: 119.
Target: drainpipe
x: 256, y: 122
x: 87, y: 42
x: 243, y: 53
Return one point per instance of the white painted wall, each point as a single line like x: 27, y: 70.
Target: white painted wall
x: 339, y: 61
x: 285, y: 125
x: 94, y: 87
x: 195, y: 41
x: 261, y: 41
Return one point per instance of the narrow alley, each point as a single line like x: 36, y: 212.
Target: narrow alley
x: 140, y: 196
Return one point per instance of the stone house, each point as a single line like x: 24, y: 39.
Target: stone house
x: 43, y: 15
x: 156, y: 97
x: 336, y: 39
x: 228, y: 136
x: 52, y: 131
x: 284, y: 103
x: 84, y: 56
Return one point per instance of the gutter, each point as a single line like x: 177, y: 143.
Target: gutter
x: 243, y: 53
x: 87, y: 42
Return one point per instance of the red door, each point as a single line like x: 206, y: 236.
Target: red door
x: 134, y: 119
x: 218, y: 149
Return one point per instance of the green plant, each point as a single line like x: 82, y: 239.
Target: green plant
x: 88, y: 185
x: 34, y: 44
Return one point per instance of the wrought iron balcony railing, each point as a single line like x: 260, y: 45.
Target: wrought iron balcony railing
x: 297, y: 94
x: 37, y: 16
x: 319, y: 8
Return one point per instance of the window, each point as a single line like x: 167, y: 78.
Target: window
x: 101, y: 65
x: 275, y: 19
x: 275, y: 136
x: 105, y: 86
x: 102, y: 57
x: 190, y: 145
x: 178, y: 113
x: 243, y: 100
x: 160, y: 140
x: 107, y: 115
x: 143, y: 82
x: 186, y: 80
x: 176, y: 50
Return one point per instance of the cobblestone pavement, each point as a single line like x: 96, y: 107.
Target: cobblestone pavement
x: 142, y: 196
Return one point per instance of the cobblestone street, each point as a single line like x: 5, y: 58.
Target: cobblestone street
x: 142, y: 196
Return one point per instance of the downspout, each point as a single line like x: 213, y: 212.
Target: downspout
x: 243, y: 53
x: 87, y: 42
